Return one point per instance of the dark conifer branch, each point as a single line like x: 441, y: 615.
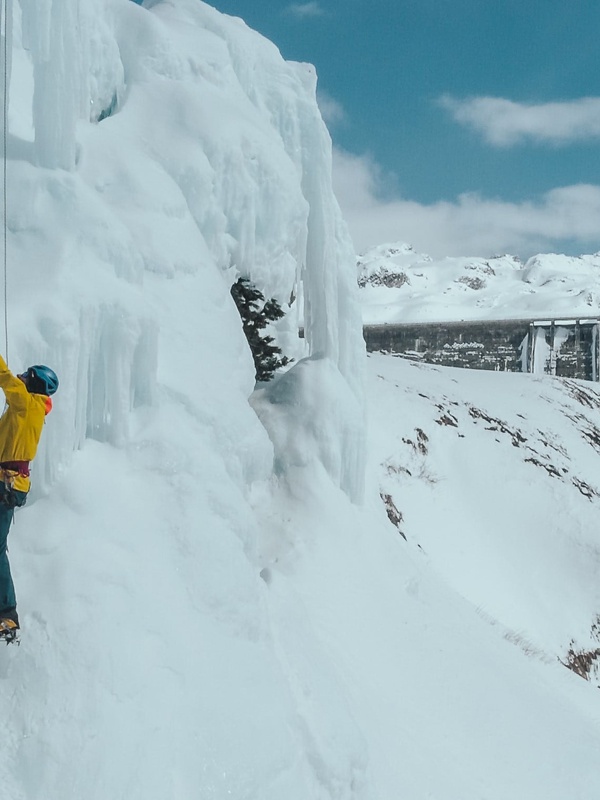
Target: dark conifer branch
x: 256, y: 314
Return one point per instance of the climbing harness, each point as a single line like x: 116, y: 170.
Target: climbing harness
x: 9, y: 471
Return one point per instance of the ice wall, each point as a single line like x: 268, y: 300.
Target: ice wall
x: 210, y: 151
x: 156, y: 153
x: 320, y: 270
x: 6, y: 47
x: 76, y: 70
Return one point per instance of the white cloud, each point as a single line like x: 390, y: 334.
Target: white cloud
x: 331, y: 109
x: 471, y: 225
x: 304, y: 10
x: 503, y: 122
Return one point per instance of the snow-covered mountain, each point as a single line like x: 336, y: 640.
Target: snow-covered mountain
x: 400, y: 285
x: 232, y: 592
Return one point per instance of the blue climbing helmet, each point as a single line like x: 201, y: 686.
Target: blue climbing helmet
x: 42, y: 379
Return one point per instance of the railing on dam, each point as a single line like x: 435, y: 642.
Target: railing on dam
x: 564, y: 347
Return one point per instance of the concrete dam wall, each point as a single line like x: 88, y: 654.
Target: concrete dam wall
x: 565, y: 347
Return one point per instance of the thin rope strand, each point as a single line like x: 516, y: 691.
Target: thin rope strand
x: 5, y: 177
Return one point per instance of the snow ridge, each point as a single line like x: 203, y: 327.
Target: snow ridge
x: 399, y: 285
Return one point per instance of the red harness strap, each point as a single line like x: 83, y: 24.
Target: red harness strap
x: 22, y: 467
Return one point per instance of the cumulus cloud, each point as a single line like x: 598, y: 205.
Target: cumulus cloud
x: 304, y: 10
x: 504, y: 123
x: 471, y: 225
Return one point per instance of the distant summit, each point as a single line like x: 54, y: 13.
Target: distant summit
x: 400, y: 285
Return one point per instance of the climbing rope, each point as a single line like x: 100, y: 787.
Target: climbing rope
x: 4, y: 181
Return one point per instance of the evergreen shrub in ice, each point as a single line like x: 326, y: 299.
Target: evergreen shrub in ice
x: 256, y: 314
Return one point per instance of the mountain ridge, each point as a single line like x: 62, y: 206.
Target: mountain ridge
x: 401, y: 285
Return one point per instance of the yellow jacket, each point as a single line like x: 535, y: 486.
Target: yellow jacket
x: 21, y: 424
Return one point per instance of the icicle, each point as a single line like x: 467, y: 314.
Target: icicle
x: 52, y: 33
x: 6, y: 26
x: 332, y: 315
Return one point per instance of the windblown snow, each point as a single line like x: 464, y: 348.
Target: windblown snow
x: 236, y: 592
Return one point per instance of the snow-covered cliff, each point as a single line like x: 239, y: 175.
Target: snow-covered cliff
x: 156, y: 153
x: 210, y: 160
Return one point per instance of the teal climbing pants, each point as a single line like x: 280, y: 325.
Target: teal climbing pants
x: 9, y: 499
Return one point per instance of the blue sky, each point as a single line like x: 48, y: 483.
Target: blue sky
x: 460, y: 126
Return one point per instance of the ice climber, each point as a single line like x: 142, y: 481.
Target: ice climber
x: 27, y: 403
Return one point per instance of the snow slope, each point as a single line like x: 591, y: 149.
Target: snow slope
x: 400, y: 285
x: 446, y: 634
x: 207, y: 609
x: 496, y: 478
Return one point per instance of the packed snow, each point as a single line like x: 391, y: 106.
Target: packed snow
x: 493, y: 478
x: 401, y: 285
x: 232, y: 591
